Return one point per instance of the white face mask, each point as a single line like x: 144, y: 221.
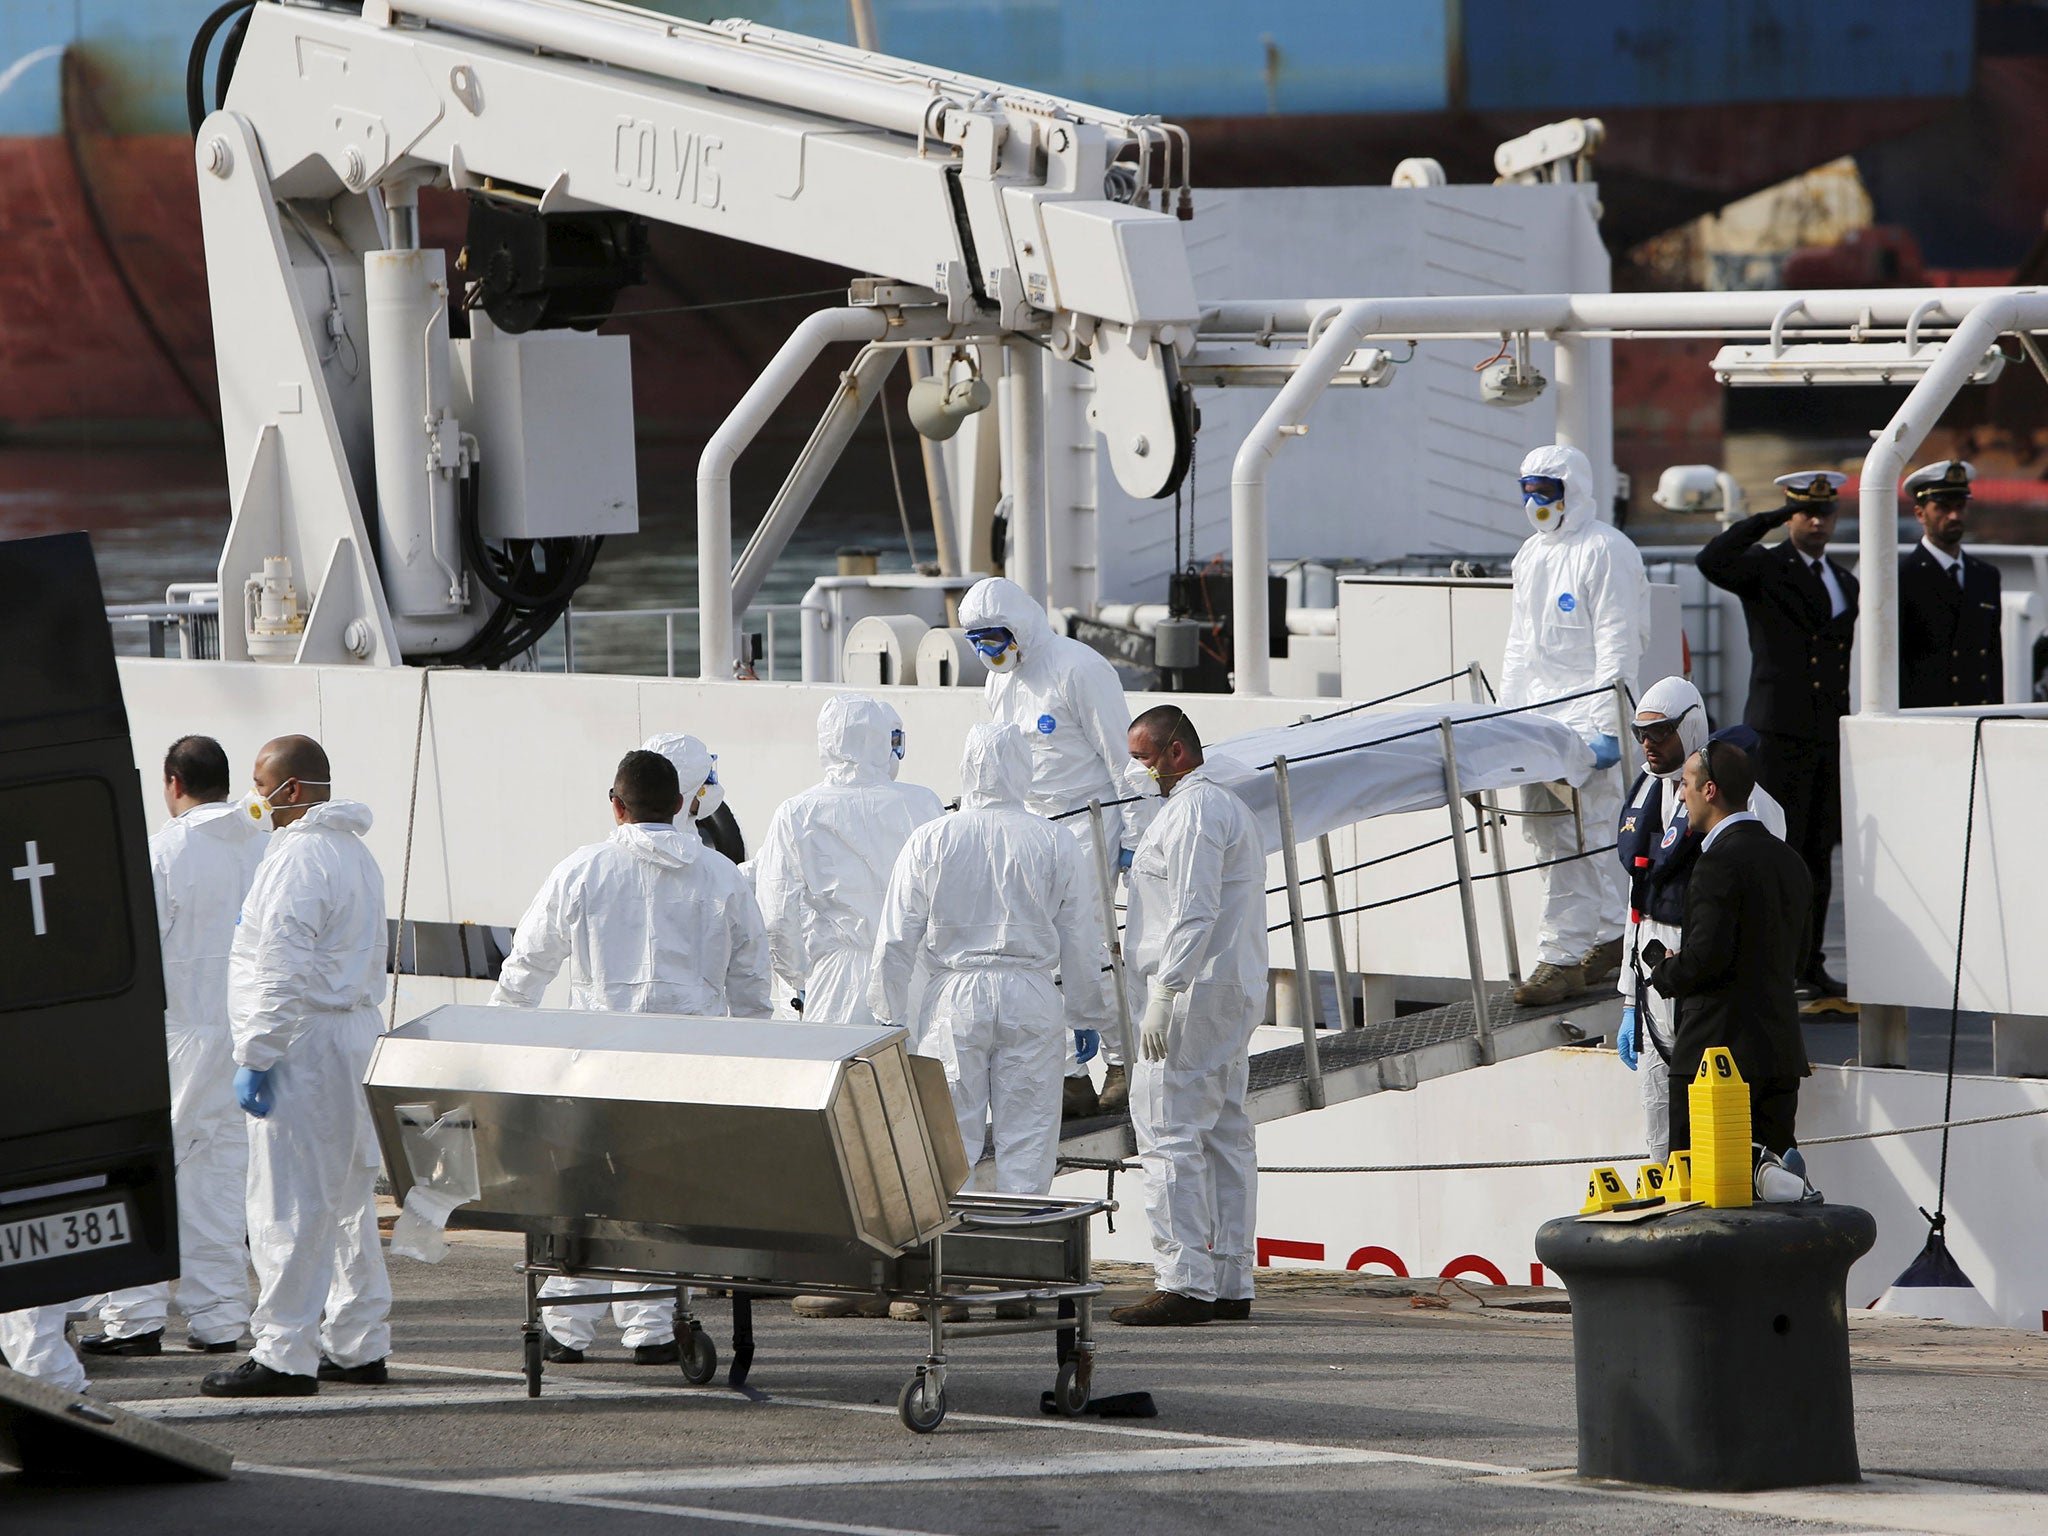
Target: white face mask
x: 1544, y: 517
x: 258, y: 808
x: 1141, y: 781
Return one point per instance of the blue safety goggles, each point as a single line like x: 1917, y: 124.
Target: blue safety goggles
x: 990, y: 642
x: 1543, y: 489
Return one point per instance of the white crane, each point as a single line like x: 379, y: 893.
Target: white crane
x: 440, y: 499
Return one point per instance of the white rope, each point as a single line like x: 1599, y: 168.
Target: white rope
x: 412, y: 811
x: 1636, y: 1157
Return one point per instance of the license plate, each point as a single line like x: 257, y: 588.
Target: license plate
x: 63, y: 1232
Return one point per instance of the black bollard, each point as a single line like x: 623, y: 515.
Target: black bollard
x: 1712, y: 1346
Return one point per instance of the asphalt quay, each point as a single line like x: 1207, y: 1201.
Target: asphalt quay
x: 1346, y: 1402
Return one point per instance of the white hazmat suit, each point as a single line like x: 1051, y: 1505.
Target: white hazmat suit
x: 1580, y: 618
x: 33, y: 1342
x: 1197, y: 930
x: 1672, y: 698
x: 305, y: 977
x: 203, y: 862
x: 649, y: 921
x: 823, y: 869
x: 1070, y: 705
x: 992, y: 900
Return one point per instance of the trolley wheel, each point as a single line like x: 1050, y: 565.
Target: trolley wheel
x: 699, y: 1358
x: 1069, y: 1391
x: 920, y: 1405
x: 533, y: 1362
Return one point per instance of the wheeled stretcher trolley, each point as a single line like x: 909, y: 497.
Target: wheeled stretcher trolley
x: 763, y: 1158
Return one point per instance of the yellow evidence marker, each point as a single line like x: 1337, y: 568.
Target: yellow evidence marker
x: 1650, y: 1181
x: 1721, y: 1163
x: 1604, y: 1191
x: 1678, y: 1178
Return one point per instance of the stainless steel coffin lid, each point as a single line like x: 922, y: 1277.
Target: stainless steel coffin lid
x: 750, y: 1133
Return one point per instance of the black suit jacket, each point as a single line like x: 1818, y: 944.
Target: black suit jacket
x: 1745, y: 943
x: 1950, y: 651
x: 1798, y: 653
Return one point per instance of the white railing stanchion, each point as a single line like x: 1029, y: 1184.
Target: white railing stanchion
x: 1311, y: 1058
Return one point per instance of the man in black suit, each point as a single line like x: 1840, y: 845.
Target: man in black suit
x: 1950, y: 650
x: 1746, y: 911
x: 1801, y: 610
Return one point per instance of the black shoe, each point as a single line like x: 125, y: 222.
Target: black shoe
x: 1165, y: 1309
x: 1817, y: 983
x: 1077, y: 1099
x: 151, y: 1343
x: 201, y: 1347
x: 252, y: 1378
x: 657, y: 1354
x: 371, y: 1373
x: 1233, y: 1309
x: 555, y: 1352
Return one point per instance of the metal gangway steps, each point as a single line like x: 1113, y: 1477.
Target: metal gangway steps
x: 1397, y: 1054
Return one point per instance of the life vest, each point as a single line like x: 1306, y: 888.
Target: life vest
x: 1658, y: 858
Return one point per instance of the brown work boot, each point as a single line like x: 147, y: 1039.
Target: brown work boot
x: 1165, y: 1309
x: 1550, y: 984
x: 1077, y: 1099
x: 913, y: 1311
x: 1601, y: 962
x: 1115, y: 1097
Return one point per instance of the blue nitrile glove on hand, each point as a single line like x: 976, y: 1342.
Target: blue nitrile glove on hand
x: 252, y: 1090
x: 1086, y: 1043
x: 1606, y: 751
x: 1124, y: 857
x: 1625, y: 1037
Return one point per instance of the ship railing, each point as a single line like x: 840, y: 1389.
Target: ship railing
x: 195, y: 623
x: 762, y: 646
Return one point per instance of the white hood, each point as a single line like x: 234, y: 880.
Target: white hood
x: 664, y: 846
x: 334, y: 816
x: 995, y: 768
x: 1671, y: 697
x: 854, y: 734
x: 1558, y: 462
x: 998, y: 602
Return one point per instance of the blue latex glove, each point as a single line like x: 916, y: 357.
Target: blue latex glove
x: 1625, y: 1037
x: 1606, y: 751
x: 1086, y: 1043
x: 252, y: 1090
x: 1124, y: 857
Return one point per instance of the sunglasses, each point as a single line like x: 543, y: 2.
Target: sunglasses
x: 1659, y: 730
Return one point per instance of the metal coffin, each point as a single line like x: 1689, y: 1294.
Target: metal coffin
x: 719, y: 1132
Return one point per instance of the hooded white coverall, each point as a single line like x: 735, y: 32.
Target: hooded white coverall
x: 823, y: 869
x: 1675, y: 699
x: 1580, y: 618
x: 1197, y: 926
x: 305, y: 976
x: 992, y: 900
x: 1070, y: 705
x: 651, y: 920
x: 202, y: 862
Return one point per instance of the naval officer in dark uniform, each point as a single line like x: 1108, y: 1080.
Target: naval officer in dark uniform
x: 1949, y: 645
x: 1801, y: 609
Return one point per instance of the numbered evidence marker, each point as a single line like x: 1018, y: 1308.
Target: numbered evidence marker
x: 1721, y: 1167
x: 1604, y: 1191
x: 1678, y: 1178
x: 1650, y: 1181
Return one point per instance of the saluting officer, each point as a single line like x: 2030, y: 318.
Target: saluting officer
x: 1801, y: 610
x: 1949, y: 645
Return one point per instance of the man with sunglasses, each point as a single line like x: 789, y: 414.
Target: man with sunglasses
x: 1950, y: 650
x: 1746, y: 910
x: 1580, y: 618
x: 1658, y: 845
x: 1800, y: 606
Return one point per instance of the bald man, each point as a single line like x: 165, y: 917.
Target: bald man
x: 305, y: 979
